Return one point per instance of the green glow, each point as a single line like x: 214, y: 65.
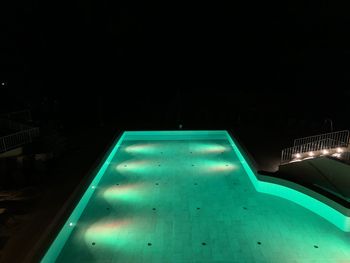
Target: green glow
x: 209, y: 148
x: 174, y: 135
x: 108, y: 234
x: 56, y: 247
x: 216, y: 167
x: 175, y: 228
x: 143, y: 148
x: 314, y: 205
x: 136, y: 166
x: 126, y: 193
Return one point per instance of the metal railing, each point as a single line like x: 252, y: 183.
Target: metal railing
x: 17, y: 139
x: 316, y: 144
x: 340, y: 136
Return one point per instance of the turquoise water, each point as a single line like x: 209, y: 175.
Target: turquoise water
x: 188, y: 198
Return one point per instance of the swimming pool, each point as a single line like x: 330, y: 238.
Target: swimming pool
x: 191, y: 196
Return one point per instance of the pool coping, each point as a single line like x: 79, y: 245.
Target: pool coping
x: 315, y: 202
x: 321, y: 205
x: 57, y: 223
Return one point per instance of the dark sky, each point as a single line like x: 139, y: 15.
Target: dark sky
x: 264, y: 52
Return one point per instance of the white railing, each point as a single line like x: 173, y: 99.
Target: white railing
x: 17, y: 139
x: 340, y: 136
x: 330, y: 143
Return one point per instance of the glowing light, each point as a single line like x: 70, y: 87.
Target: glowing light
x: 118, y: 234
x: 209, y: 148
x: 134, y: 166
x: 339, y: 150
x: 296, y: 160
x: 93, y: 187
x: 216, y: 166
x: 71, y: 224
x: 145, y: 148
x: 316, y: 206
x: 107, y: 233
x: 311, y: 154
x: 297, y: 155
x: 127, y: 193
x: 325, y: 152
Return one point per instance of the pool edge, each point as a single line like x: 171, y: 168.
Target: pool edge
x: 293, y: 192
x: 63, y: 232
x: 48, y: 238
x: 273, y: 188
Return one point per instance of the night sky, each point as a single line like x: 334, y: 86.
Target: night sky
x: 279, y: 57
x: 267, y: 71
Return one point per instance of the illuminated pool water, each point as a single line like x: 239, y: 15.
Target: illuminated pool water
x: 187, y: 196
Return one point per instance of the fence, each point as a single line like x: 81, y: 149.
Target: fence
x: 316, y: 144
x: 341, y: 136
x: 16, y: 139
